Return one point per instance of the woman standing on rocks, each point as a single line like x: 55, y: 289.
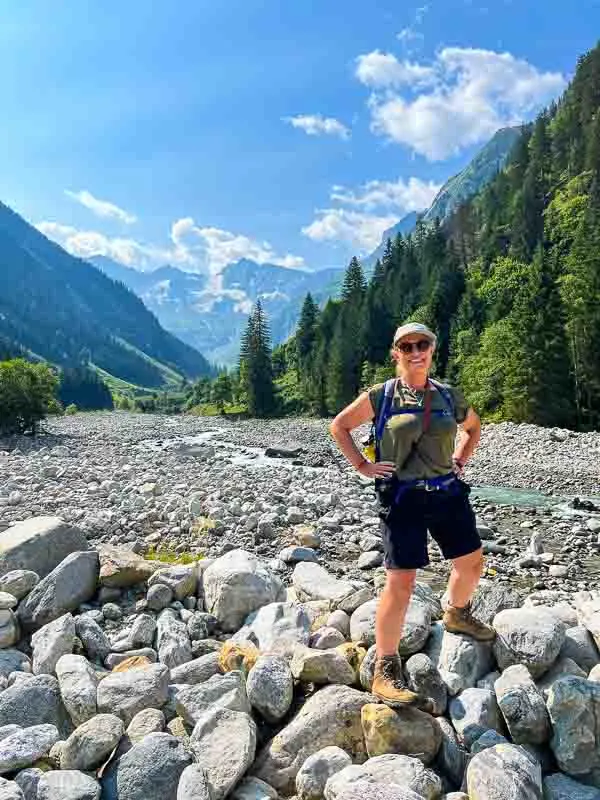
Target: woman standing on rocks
x: 417, y: 469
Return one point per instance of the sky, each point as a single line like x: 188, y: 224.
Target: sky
x: 197, y: 133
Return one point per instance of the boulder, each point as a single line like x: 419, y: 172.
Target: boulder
x: 150, y: 720
x: 127, y: 693
x: 321, y: 666
x: 70, y: 584
x: 316, y: 771
x: 415, y: 632
x: 193, y: 784
x: 504, y: 772
x: 473, y: 712
x: 253, y: 789
x: 488, y: 739
x: 491, y: 598
x: 34, y: 701
x: 406, y: 731
x: 278, y: 627
x: 78, y: 687
x: 574, y: 709
x: 561, y: 787
x: 13, y: 661
x: 529, y: 636
x: 121, y: 568
x: 19, y: 582
x: 90, y: 745
x: 93, y: 638
x: 9, y: 628
x: 181, y: 579
x: 313, y: 582
x: 561, y: 668
x: 67, y: 785
x: 24, y: 747
x: 326, y: 638
x: 426, y: 680
x: 49, y: 643
x: 39, y: 544
x: 403, y: 771
x: 365, y: 790
x: 460, y: 660
x: 522, y: 706
x: 220, y: 691
x: 224, y: 743
x: 10, y: 790
x: 329, y: 717
x: 28, y: 781
x: 270, y: 687
x: 237, y: 584
x: 198, y: 670
x: 587, y: 606
x: 150, y: 770
x: 580, y: 647
x: 341, y: 621
x: 452, y: 758
x: 172, y: 639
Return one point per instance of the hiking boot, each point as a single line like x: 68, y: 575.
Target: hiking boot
x: 389, y: 684
x: 461, y: 620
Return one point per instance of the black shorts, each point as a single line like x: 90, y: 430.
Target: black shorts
x: 446, y: 513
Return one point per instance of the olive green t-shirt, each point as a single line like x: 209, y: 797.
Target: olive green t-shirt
x: 417, y: 454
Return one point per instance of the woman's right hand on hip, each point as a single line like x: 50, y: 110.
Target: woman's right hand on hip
x: 381, y: 469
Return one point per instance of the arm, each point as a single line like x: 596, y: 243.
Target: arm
x: 470, y: 433
x: 358, y: 413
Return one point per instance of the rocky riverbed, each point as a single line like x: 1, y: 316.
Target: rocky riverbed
x: 186, y: 615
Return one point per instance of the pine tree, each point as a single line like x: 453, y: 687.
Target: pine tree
x: 346, y: 358
x: 305, y: 341
x: 256, y: 369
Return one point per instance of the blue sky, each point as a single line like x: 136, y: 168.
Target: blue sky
x: 199, y: 132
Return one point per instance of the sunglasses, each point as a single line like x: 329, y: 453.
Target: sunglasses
x: 422, y: 346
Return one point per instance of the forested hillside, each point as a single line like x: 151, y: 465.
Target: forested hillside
x: 66, y: 311
x: 511, y: 283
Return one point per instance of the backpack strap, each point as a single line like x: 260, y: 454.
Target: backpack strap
x: 446, y: 395
x: 384, y: 412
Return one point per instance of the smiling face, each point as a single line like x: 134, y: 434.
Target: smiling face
x: 413, y: 355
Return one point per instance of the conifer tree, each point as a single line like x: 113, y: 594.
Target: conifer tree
x: 256, y: 368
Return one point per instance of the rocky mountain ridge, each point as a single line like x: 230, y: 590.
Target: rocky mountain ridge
x: 64, y: 310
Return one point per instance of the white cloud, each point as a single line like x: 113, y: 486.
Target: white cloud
x: 461, y: 99
x: 93, y: 243
x: 403, y: 196
x: 383, y: 70
x: 191, y: 247
x: 102, y: 208
x: 316, y: 125
x: 219, y: 247
x: 362, y: 231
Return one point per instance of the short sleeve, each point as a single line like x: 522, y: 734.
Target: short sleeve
x: 375, y: 396
x: 461, y: 405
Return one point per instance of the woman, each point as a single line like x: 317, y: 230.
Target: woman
x: 417, y: 475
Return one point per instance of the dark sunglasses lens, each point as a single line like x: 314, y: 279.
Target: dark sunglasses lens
x: 421, y: 346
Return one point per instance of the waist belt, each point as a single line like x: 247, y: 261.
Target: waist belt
x: 425, y: 484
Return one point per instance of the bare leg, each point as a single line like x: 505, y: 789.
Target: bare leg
x: 391, y: 610
x: 465, y: 575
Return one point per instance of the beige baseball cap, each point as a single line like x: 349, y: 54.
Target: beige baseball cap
x: 414, y: 328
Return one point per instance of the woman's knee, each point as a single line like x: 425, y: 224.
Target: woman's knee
x: 400, y: 582
x: 471, y: 563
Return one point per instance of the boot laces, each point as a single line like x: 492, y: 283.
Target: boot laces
x: 391, y: 669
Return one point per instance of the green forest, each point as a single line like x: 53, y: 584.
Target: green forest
x: 510, y: 283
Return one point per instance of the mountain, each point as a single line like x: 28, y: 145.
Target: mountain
x: 65, y: 310
x: 211, y: 314
x: 477, y: 174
